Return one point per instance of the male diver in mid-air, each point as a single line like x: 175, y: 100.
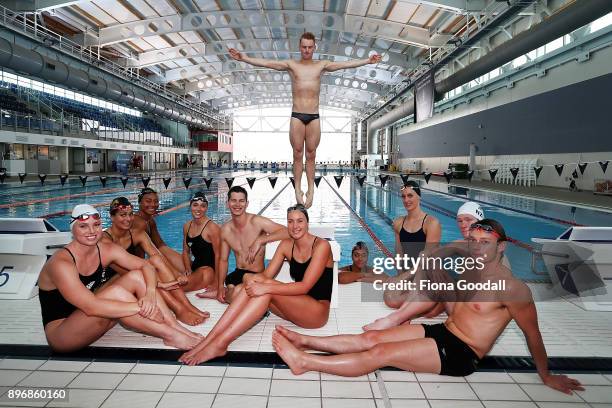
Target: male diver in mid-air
x: 305, y: 129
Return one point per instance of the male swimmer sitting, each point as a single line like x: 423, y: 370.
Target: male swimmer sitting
x: 121, y: 233
x: 77, y: 303
x: 452, y: 348
x: 310, y: 266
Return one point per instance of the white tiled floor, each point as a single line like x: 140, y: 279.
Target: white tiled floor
x: 109, y: 384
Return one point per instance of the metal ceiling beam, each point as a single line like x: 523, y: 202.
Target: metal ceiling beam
x: 36, y: 5
x: 299, y: 20
x: 223, y: 103
x: 217, y: 48
x: 455, y: 6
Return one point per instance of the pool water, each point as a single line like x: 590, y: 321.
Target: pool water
x: 347, y: 208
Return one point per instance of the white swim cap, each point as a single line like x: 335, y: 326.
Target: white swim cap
x: 81, y: 210
x: 473, y: 209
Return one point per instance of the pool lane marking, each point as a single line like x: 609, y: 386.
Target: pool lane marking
x: 381, y: 246
x: 450, y: 214
x: 546, y: 217
x: 265, y: 207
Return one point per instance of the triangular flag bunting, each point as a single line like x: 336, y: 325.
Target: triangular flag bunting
x: 559, y: 168
x: 186, y: 182
x: 208, y: 181
x: 514, y: 171
x: 448, y: 175
x: 470, y: 174
x: 229, y: 181
x: 42, y: 178
x: 167, y: 181
x: 292, y: 181
x: 124, y: 181
x: 338, y: 180
x: 251, y: 181
x: 22, y: 176
x: 83, y: 180
x: 427, y: 177
x: 575, y: 173
x: 272, y: 181
x: 404, y: 178
x: 360, y: 180
x: 537, y: 170
x: 2, y: 176
x: 317, y: 180
x: 604, y: 165
x: 582, y: 167
x: 103, y: 180
x: 145, y: 181
x: 493, y: 173
x: 383, y: 179
x: 63, y: 178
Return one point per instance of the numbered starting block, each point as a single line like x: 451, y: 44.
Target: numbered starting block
x: 324, y: 232
x: 25, y: 245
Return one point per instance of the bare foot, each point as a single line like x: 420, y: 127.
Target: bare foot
x: 293, y: 357
x: 181, y: 341
x: 207, y: 294
x: 197, y: 311
x: 205, y: 354
x: 299, y: 196
x: 309, y: 198
x: 186, y: 331
x: 379, y: 324
x: 189, y: 318
x: 297, y: 339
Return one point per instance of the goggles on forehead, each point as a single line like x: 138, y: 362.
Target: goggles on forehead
x: 85, y: 217
x: 144, y: 191
x: 485, y: 228
x: 201, y: 199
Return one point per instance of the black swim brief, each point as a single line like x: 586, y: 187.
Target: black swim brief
x: 235, y: 278
x: 305, y: 118
x: 457, y: 359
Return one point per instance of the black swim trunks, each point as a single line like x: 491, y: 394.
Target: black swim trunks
x: 305, y: 118
x: 457, y: 358
x: 235, y: 278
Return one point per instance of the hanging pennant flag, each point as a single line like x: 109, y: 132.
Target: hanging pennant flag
x: 272, y: 181
x: 405, y: 178
x: 582, y: 167
x: 251, y: 181
x: 103, y: 180
x: 492, y: 174
x: 470, y: 174
x: 83, y: 180
x: 63, y: 178
x: 208, y: 181
x: 167, y: 181
x: 604, y: 165
x: 2, y: 176
x: 448, y: 175
x: 559, y: 168
x: 338, y: 180
x: 186, y: 182
x: 317, y: 180
x: 360, y: 180
x: 383, y: 179
x: 145, y: 181
x: 514, y: 171
x: 537, y: 170
x: 292, y: 181
x: 229, y: 181
x: 42, y: 178
x: 575, y: 174
x: 427, y: 176
x: 124, y: 181
x: 22, y: 176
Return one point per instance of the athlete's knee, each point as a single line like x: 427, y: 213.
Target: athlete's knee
x: 378, y: 353
x: 115, y: 292
x: 311, y: 155
x: 371, y: 338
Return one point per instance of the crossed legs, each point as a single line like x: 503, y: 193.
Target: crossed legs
x: 304, y: 141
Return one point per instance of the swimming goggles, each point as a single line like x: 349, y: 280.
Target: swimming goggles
x: 85, y: 217
x: 485, y: 228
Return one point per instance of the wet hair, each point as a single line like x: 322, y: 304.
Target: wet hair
x: 307, y: 36
x: 237, y: 189
x: 413, y: 185
x: 144, y: 192
x: 491, y: 225
x: 360, y: 246
x: 300, y: 208
x: 117, y: 203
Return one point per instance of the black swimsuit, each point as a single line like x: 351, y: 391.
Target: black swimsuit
x: 413, y: 242
x: 53, y: 306
x: 132, y: 250
x: 457, y: 359
x: 305, y: 118
x: 202, y: 250
x: 322, y: 289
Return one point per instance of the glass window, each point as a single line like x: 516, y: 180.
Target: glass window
x: 43, y: 152
x: 15, y: 151
x: 601, y: 22
x: 553, y: 45
x: 30, y: 152
x: 54, y: 153
x: 520, y: 61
